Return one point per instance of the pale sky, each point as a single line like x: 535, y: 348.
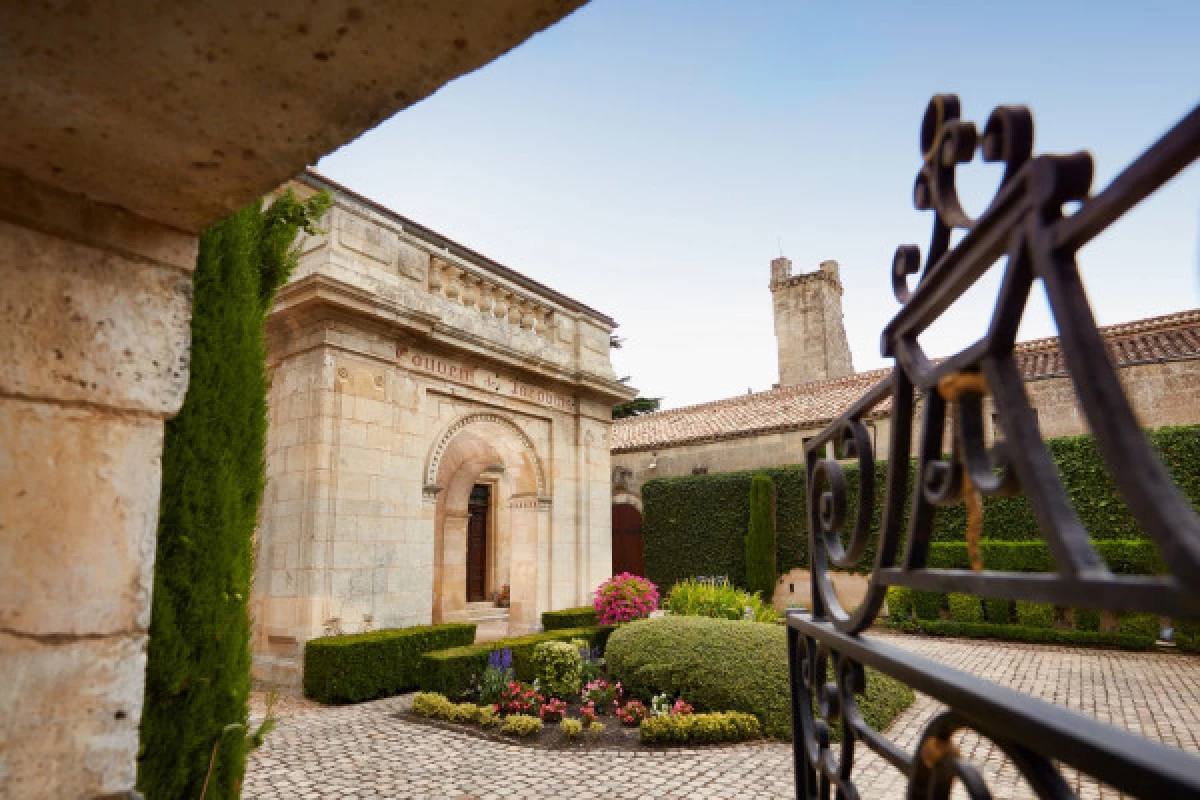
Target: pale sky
x: 649, y: 158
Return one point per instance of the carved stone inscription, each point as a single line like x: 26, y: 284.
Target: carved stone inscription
x: 487, y: 380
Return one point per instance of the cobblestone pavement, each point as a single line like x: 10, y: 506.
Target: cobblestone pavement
x: 364, y: 751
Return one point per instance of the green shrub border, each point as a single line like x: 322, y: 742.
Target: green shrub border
x: 695, y: 524
x: 365, y: 666
x: 456, y: 671
x: 1017, y: 633
x: 581, y: 617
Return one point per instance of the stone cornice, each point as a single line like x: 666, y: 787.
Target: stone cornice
x: 318, y: 296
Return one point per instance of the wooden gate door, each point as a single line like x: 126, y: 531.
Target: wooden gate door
x: 627, y: 540
x: 477, y: 521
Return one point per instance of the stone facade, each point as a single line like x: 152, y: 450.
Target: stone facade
x: 809, y: 327
x: 407, y: 370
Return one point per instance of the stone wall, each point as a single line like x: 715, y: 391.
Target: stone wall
x: 809, y: 327
x: 96, y: 331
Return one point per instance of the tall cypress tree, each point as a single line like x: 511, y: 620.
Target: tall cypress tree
x: 760, y: 539
x: 193, y: 727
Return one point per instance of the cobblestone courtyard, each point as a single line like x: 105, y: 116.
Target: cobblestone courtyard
x: 365, y: 751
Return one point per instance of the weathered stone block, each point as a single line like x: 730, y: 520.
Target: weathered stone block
x: 78, y: 518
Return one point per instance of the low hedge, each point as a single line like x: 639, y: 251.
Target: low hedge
x: 723, y: 665
x: 456, y: 671
x: 720, y: 726
x: 581, y: 617
x: 1018, y: 633
x: 1123, y: 556
x: 364, y: 666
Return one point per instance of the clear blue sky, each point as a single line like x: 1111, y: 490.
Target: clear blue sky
x: 649, y: 158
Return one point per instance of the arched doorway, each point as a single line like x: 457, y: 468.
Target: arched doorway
x: 489, y: 518
x: 628, y: 547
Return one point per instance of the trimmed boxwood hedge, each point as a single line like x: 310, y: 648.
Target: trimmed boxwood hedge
x: 455, y: 672
x: 1018, y: 633
x: 725, y: 665
x: 364, y: 666
x: 694, y: 525
x: 581, y: 617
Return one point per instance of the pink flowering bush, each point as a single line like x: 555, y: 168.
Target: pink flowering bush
x: 553, y: 710
x: 625, y: 597
x: 681, y: 708
x: 602, y: 696
x: 517, y: 698
x: 632, y: 713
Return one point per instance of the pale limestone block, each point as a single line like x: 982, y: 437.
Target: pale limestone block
x: 71, y: 713
x: 359, y: 459
x: 79, y: 518
x: 89, y: 325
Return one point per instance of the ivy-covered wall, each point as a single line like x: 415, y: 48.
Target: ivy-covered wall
x: 694, y: 525
x: 193, y: 732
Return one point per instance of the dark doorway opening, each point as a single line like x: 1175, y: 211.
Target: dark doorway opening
x: 477, y: 536
x: 627, y: 540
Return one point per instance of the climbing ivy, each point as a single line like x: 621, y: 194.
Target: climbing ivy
x: 194, y: 733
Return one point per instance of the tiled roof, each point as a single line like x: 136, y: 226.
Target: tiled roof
x: 812, y: 405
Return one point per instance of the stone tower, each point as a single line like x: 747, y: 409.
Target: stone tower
x: 809, y: 327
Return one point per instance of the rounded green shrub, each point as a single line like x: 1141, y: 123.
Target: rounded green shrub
x: 431, y: 704
x: 1144, y: 625
x: 1086, y: 619
x: 1035, y: 615
x: 722, y: 726
x: 999, y: 612
x: 722, y: 665
x: 521, y: 725
x: 558, y: 666
x: 899, y: 603
x: 571, y: 728
x: 928, y: 605
x: 965, y: 608
x: 717, y: 599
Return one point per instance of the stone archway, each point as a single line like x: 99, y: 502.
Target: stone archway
x: 490, y: 450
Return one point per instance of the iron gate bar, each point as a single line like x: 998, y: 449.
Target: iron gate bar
x: 1026, y: 228
x: 1130, y: 763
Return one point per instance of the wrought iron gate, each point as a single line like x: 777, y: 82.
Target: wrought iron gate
x: 1026, y: 227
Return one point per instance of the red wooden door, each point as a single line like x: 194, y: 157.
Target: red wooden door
x: 477, y: 517
x: 627, y: 540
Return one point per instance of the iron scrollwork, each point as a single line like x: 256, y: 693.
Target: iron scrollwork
x: 1026, y: 232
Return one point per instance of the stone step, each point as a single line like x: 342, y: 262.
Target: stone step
x: 498, y: 614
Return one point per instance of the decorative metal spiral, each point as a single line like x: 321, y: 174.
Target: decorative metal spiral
x: 1024, y: 231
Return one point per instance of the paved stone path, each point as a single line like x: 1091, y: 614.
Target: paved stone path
x: 364, y: 751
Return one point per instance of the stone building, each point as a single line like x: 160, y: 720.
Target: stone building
x: 809, y: 327
x: 439, y: 429
x: 114, y: 158
x: 1158, y: 361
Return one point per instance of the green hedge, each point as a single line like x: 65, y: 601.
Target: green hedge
x: 364, y: 666
x: 194, y: 724
x: 760, y: 538
x: 455, y: 672
x: 1017, y: 633
x: 694, y: 525
x: 723, y: 665
x: 581, y: 617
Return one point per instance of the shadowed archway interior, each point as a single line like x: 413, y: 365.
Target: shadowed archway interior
x: 493, y: 454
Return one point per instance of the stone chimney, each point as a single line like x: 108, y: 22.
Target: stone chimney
x: 809, y: 327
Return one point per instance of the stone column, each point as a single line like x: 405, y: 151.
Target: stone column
x: 95, y: 306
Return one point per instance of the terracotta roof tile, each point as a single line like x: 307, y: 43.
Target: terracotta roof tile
x: 811, y: 405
